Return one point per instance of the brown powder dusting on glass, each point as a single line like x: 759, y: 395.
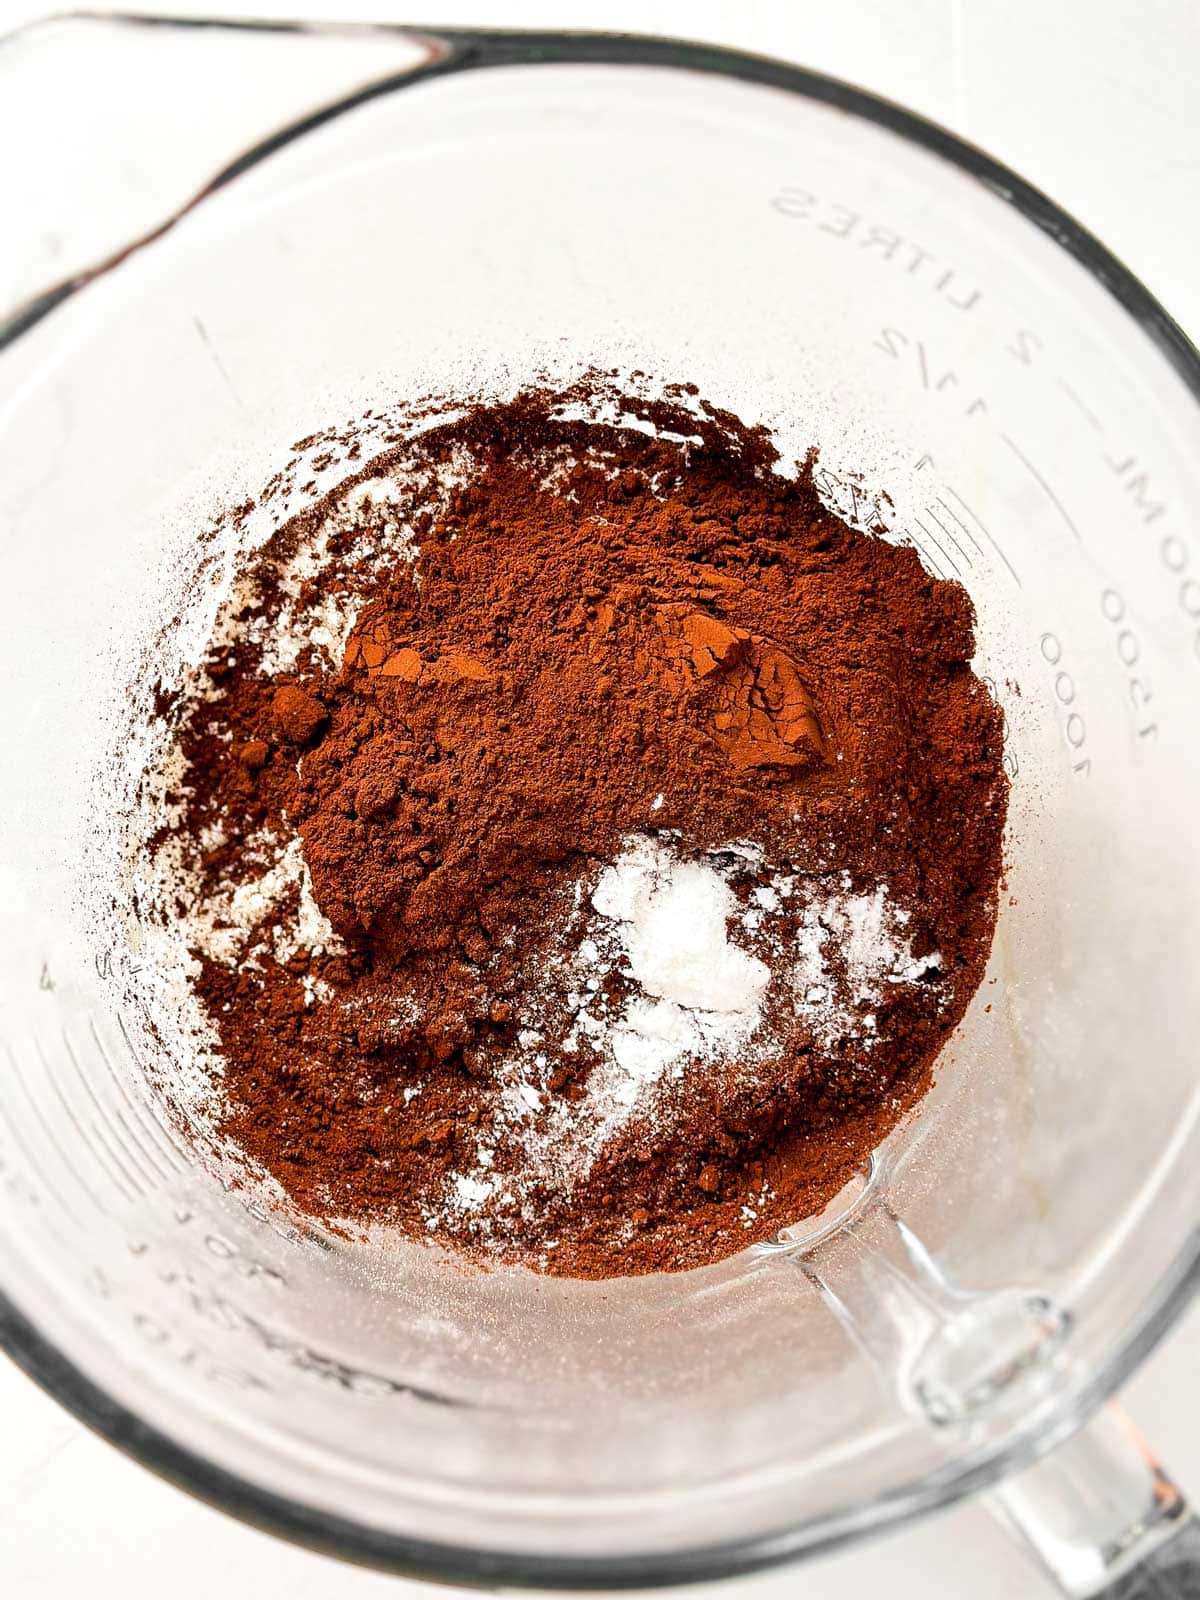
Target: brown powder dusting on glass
x: 593, y: 878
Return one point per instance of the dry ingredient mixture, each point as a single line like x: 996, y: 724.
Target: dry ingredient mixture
x: 586, y: 841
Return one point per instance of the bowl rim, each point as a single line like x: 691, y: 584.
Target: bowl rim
x: 455, y: 50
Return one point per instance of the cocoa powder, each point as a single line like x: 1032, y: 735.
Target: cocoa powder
x: 605, y: 655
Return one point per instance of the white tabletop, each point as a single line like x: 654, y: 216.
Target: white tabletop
x: 1091, y: 100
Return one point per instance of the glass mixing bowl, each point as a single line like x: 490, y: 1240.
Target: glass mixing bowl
x: 980, y: 375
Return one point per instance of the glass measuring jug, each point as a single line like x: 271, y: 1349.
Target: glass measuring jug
x: 981, y: 379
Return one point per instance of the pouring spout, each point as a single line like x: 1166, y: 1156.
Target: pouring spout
x: 94, y: 176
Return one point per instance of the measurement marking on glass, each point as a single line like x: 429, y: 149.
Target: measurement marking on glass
x: 1129, y: 652
x: 1074, y: 728
x: 71, y: 1165
x: 216, y: 359
x: 181, y: 1156
x: 52, y: 1138
x: 1080, y: 404
x: 131, y: 1148
x: 922, y: 547
x: 962, y: 526
x: 147, y: 1166
x: 948, y: 533
x: 112, y: 1151
x: 146, y: 1123
x: 1175, y: 555
x: 113, y: 1123
x: 19, y: 1141
x: 938, y: 545
x: 69, y: 1111
x: 1135, y: 482
x: 1045, y: 487
x: 102, y: 1126
x: 1011, y: 764
x: 905, y: 538
x: 983, y: 528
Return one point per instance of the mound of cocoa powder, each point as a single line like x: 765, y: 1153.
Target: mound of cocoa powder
x: 581, y: 724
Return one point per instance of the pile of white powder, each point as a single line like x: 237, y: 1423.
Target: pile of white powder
x: 697, y: 961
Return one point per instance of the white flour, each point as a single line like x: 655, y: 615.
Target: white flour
x: 698, y: 964
x: 235, y: 926
x: 701, y: 994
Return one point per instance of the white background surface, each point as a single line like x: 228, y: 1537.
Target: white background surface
x: 1090, y: 100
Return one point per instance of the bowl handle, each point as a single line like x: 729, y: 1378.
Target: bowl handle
x: 1103, y: 1517
x: 988, y: 1371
